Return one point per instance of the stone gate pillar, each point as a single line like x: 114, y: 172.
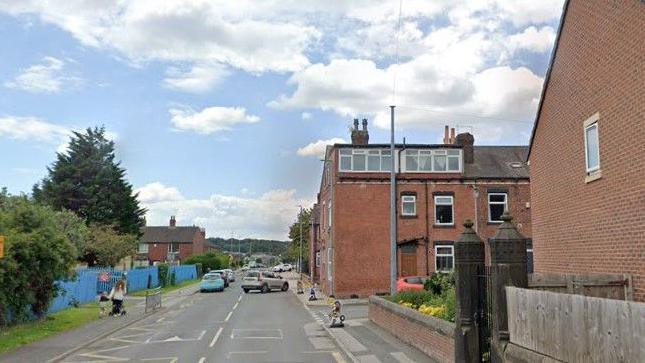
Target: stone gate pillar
x: 469, y: 267
x: 508, y: 268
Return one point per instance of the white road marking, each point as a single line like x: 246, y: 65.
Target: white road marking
x: 161, y: 319
x: 202, y: 360
x: 235, y: 306
x: 240, y: 298
x: 338, y: 357
x: 219, y: 331
x: 371, y: 358
x: 228, y: 316
x: 170, y: 359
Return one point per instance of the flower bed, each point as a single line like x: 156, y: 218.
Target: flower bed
x: 438, y: 299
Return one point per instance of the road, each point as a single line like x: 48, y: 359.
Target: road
x: 230, y: 326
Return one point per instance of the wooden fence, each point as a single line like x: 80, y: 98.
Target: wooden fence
x: 610, y: 286
x: 574, y: 328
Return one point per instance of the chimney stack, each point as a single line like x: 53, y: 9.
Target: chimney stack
x: 360, y: 137
x: 453, y: 140
x: 173, y: 222
x: 467, y: 141
x: 446, y: 137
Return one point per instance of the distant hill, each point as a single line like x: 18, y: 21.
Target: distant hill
x: 247, y: 245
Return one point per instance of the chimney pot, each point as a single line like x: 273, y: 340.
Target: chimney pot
x: 364, y: 124
x: 446, y: 137
x: 360, y: 137
x: 173, y: 222
x: 453, y: 140
x: 355, y: 124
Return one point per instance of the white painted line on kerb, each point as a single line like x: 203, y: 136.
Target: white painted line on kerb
x: 228, y: 316
x: 235, y: 306
x: 202, y: 360
x: 219, y: 331
x: 240, y: 298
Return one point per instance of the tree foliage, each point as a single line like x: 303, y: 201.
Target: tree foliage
x: 106, y: 247
x: 88, y: 181
x: 250, y: 245
x: 209, y: 261
x: 303, y: 220
x: 38, y: 252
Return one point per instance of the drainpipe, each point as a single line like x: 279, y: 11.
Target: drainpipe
x: 476, y: 196
x: 427, y: 231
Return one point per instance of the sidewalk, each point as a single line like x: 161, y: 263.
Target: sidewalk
x: 360, y: 339
x: 54, y: 346
x: 321, y: 298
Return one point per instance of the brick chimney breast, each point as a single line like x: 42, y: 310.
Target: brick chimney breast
x: 467, y: 140
x: 360, y: 137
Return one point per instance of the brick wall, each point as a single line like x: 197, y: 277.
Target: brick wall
x: 159, y: 251
x: 599, y: 226
x: 432, y: 336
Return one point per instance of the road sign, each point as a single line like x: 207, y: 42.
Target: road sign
x: 1, y: 246
x: 104, y: 276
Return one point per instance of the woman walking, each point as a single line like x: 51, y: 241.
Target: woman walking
x: 117, y: 295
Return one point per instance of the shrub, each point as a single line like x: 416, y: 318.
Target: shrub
x: 209, y: 260
x: 163, y: 273
x: 198, y: 267
x: 440, y: 282
x: 442, y: 306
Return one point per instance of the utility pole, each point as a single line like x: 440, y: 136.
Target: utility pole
x: 300, y: 255
x: 393, y: 268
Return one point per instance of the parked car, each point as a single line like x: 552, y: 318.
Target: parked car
x: 224, y: 275
x: 245, y: 268
x: 211, y: 282
x: 411, y: 283
x: 278, y: 268
x: 287, y: 267
x: 264, y: 281
x: 231, y: 275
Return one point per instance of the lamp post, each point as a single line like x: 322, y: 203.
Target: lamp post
x: 300, y: 255
x: 393, y: 268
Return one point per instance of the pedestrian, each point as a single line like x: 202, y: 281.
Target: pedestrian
x: 117, y: 295
x: 103, y: 304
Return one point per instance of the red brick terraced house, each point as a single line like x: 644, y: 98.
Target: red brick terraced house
x: 158, y: 243
x: 439, y: 186
x: 586, y: 155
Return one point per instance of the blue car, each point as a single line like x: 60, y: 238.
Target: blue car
x: 211, y: 282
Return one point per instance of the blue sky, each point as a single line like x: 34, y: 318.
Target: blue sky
x: 220, y: 110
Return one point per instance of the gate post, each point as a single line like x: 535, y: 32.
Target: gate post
x: 508, y: 268
x: 469, y: 266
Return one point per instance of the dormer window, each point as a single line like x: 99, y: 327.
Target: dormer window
x: 428, y: 161
x: 365, y: 160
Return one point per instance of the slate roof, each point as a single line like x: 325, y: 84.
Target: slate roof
x: 163, y: 234
x: 495, y: 162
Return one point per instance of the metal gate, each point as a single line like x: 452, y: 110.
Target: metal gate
x: 485, y: 312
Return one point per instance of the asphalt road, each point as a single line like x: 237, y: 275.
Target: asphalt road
x: 221, y: 327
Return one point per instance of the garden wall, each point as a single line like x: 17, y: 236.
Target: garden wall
x: 433, y: 336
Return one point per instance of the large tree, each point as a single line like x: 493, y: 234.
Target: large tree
x: 87, y: 180
x: 106, y: 247
x: 304, y: 221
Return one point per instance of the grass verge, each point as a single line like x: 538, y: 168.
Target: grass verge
x: 19, y: 335
x: 166, y: 289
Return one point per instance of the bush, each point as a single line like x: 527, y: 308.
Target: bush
x: 163, y: 273
x: 440, y: 282
x: 209, y: 261
x: 442, y: 306
x: 198, y: 267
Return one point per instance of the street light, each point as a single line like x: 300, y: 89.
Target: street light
x: 393, y: 268
x: 300, y: 255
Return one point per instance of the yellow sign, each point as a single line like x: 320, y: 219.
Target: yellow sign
x: 1, y: 246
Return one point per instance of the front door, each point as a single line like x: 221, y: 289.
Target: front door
x: 408, y: 259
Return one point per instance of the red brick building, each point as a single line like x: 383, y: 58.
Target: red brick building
x: 438, y: 188
x: 159, y: 242
x: 586, y: 155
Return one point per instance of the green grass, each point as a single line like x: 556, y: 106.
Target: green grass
x: 167, y: 289
x: 16, y: 336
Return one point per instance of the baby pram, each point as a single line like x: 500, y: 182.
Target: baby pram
x: 117, y: 308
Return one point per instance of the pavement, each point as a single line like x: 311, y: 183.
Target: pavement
x: 360, y: 339
x: 228, y: 326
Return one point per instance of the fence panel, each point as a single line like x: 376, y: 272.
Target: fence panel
x: 575, y: 328
x: 184, y: 272
x: 611, y: 286
x: 81, y: 291
x: 141, y: 279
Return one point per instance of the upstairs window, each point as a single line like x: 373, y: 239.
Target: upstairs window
x: 365, y: 160
x: 432, y: 160
x: 592, y: 148
x: 443, y: 210
x: 173, y: 247
x: 444, y: 257
x: 409, y: 205
x: 143, y: 248
x: 497, y: 204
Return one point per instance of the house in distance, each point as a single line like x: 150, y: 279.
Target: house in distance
x: 171, y: 243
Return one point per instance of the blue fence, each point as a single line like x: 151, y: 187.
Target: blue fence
x: 183, y: 272
x: 141, y: 279
x: 81, y: 291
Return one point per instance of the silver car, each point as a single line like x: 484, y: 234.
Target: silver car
x: 231, y: 275
x: 264, y: 281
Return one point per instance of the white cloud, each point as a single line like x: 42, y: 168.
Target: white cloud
x: 522, y: 12
x: 317, y: 148
x: 32, y: 128
x: 266, y: 216
x: 211, y: 119
x: 197, y: 79
x: 532, y: 39
x: 306, y: 115
x: 46, y: 77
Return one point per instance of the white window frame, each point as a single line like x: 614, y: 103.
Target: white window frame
x: 143, y: 250
x: 329, y: 216
x: 407, y: 198
x: 170, y: 247
x: 589, y: 123
x: 490, y: 220
x: 452, y: 208
x: 350, y: 153
x: 432, y: 154
x: 436, y: 255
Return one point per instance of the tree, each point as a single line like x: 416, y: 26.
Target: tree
x: 88, y: 181
x: 38, y: 253
x: 209, y: 260
x: 293, y: 253
x: 106, y: 247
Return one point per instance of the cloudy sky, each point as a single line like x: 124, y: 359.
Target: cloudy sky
x: 220, y: 109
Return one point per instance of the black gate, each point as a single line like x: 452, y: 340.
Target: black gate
x: 484, y: 310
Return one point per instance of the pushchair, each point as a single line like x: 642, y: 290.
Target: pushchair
x: 117, y: 308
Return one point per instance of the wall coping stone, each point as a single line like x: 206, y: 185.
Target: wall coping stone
x: 439, y: 325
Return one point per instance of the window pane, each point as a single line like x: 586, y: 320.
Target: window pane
x: 443, y: 200
x: 409, y: 208
x: 439, y: 163
x: 443, y: 214
x: 373, y: 163
x: 497, y: 197
x: 345, y: 163
x: 592, y: 147
x: 412, y: 161
x: 453, y: 152
x: 444, y: 263
x: 425, y: 163
x: 444, y: 250
x: 386, y: 163
x: 345, y: 151
x: 496, y: 211
x: 386, y: 152
x: 359, y: 162
x: 453, y: 163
